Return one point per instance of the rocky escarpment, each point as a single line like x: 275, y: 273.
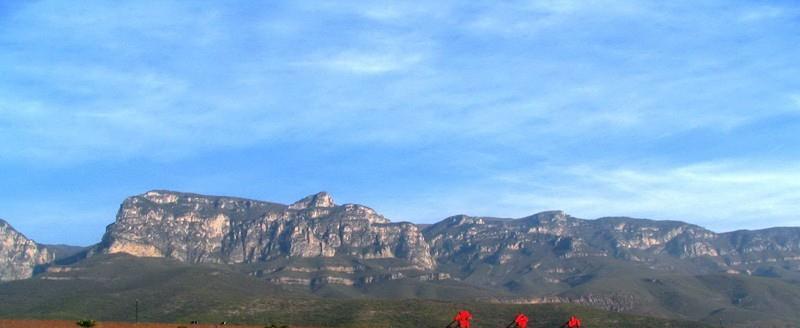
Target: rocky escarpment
x: 559, y: 235
x: 332, y: 250
x: 747, y: 249
x: 530, y: 246
x: 207, y: 229
x: 19, y: 256
x: 611, y: 302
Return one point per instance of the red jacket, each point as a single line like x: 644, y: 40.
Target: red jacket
x: 463, y: 317
x: 573, y: 322
x: 521, y: 320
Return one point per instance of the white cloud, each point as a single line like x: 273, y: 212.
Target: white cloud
x: 384, y: 12
x: 796, y: 99
x: 526, y: 18
x: 719, y: 195
x: 53, y: 222
x: 487, y: 88
x: 367, y: 62
x: 421, y: 83
x: 761, y: 13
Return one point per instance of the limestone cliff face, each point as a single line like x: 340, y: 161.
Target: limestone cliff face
x: 549, y: 257
x: 747, y: 248
x: 464, y: 239
x: 208, y: 229
x: 353, y: 245
x: 19, y: 255
x: 469, y: 240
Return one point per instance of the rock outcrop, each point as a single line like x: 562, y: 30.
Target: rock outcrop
x: 319, y: 246
x: 208, y: 229
x: 529, y: 242
x: 299, y: 243
x: 485, y: 251
x: 19, y: 256
x: 615, y: 263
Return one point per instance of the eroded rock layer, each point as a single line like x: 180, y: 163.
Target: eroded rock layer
x: 206, y: 229
x: 19, y: 256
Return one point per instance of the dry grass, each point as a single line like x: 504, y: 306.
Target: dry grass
x: 71, y: 324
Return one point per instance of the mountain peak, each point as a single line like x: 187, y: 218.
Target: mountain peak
x: 549, y: 216
x: 161, y: 196
x: 320, y: 199
x: 4, y: 225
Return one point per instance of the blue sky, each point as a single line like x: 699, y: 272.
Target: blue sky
x: 686, y: 110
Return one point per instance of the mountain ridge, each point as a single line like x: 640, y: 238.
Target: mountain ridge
x: 736, y: 237
x: 184, y: 193
x: 317, y: 246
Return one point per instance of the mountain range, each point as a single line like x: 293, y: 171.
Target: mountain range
x: 317, y: 248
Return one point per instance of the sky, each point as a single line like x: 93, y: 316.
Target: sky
x: 681, y: 110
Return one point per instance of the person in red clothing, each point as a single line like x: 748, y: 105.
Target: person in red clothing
x: 573, y: 322
x: 462, y: 318
x: 521, y: 321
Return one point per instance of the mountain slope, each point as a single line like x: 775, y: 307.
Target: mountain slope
x: 171, y: 291
x: 19, y: 256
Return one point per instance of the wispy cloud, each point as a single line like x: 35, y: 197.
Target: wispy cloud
x: 760, y: 13
x: 530, y: 18
x: 129, y: 86
x: 720, y: 195
x: 367, y: 63
x: 796, y: 99
x: 568, y: 96
x: 57, y: 221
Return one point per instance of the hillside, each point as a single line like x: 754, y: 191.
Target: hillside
x: 169, y: 291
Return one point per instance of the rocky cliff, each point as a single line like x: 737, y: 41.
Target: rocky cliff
x: 207, y: 229
x: 549, y: 237
x: 19, y: 256
x: 351, y: 241
x: 316, y: 245
x: 353, y: 245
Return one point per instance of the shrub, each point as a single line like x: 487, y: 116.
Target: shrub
x: 86, y: 323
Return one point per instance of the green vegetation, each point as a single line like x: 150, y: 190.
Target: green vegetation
x: 104, y: 287
x: 86, y: 323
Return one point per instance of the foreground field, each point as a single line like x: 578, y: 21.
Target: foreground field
x: 71, y: 324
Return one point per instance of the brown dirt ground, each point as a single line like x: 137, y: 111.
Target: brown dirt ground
x: 71, y: 324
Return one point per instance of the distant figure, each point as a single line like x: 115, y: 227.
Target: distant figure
x: 573, y: 322
x: 521, y: 321
x: 194, y: 322
x: 223, y: 323
x: 462, y: 319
